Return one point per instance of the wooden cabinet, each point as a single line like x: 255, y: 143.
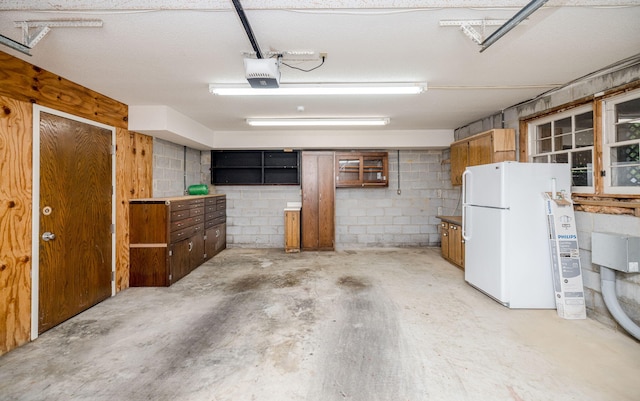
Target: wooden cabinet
x: 215, y: 225
x: 492, y: 146
x: 292, y: 230
x: 451, y: 241
x: 318, y: 201
x: 459, y: 161
x: 362, y: 169
x: 168, y: 237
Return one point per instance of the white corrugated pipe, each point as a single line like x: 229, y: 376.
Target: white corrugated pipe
x: 608, y: 284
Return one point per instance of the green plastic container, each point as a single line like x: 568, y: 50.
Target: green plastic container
x: 198, y: 189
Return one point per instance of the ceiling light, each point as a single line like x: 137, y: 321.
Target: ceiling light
x: 321, y: 89
x: 290, y: 122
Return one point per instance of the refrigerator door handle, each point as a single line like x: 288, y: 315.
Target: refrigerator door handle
x: 465, y: 176
x: 466, y: 231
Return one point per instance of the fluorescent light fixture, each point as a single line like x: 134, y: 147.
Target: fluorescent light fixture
x: 291, y: 122
x: 321, y: 89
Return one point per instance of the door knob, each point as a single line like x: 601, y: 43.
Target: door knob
x: 47, y: 236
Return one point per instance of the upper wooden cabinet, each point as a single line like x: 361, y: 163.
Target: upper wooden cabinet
x: 362, y: 169
x: 496, y: 145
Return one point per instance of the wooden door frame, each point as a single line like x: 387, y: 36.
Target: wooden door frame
x: 35, y: 211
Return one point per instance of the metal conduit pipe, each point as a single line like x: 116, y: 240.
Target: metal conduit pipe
x: 608, y: 284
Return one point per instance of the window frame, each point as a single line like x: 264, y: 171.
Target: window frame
x: 532, y: 131
x: 608, y: 141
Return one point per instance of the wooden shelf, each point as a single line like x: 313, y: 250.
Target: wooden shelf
x: 255, y: 167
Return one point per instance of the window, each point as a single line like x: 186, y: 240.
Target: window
x: 621, y: 144
x: 566, y: 138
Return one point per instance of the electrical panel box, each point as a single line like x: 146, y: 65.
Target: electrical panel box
x: 615, y: 251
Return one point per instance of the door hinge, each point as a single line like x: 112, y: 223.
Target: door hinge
x: 113, y: 228
x: 170, y: 253
x: 113, y: 149
x: 113, y: 276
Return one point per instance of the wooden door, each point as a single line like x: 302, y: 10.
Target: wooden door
x: 75, y: 266
x: 318, y: 201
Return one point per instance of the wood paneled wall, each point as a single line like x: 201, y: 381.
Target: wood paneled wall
x: 21, y: 85
x: 16, y: 139
x: 23, y: 81
x: 133, y: 180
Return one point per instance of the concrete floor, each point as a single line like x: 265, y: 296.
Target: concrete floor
x: 391, y: 324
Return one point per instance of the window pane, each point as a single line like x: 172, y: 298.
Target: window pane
x: 584, y: 138
x: 626, y: 111
x: 543, y: 146
x: 544, y: 131
x: 562, y: 142
x: 625, y: 166
x: 624, y: 154
x: 582, y: 168
x: 562, y: 126
x: 625, y: 176
x: 627, y: 131
x: 560, y: 158
x: 541, y: 159
x: 584, y: 121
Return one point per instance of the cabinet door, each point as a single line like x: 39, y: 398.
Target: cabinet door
x: 179, y: 260
x: 349, y: 170
x: 318, y: 201
x: 221, y: 237
x: 480, y: 150
x: 444, y: 239
x: 374, y: 170
x: 455, y: 244
x: 292, y: 231
x: 196, y: 252
x: 459, y: 161
x: 216, y: 240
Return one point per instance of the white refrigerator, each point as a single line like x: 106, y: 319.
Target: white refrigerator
x: 504, y: 226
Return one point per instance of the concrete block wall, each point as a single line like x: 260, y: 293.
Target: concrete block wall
x: 255, y: 214
x: 369, y: 217
x: 627, y: 285
x: 382, y: 217
x: 169, y: 168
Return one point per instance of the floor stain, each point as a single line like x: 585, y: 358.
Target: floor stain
x: 262, y: 281
x: 354, y: 283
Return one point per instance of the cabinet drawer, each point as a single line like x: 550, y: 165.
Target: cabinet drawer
x: 208, y: 209
x: 216, y: 214
x: 179, y: 215
x: 210, y: 200
x: 215, y: 221
x: 180, y: 205
x: 198, y: 211
x: 182, y: 224
x: 221, y: 203
x: 186, y: 232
